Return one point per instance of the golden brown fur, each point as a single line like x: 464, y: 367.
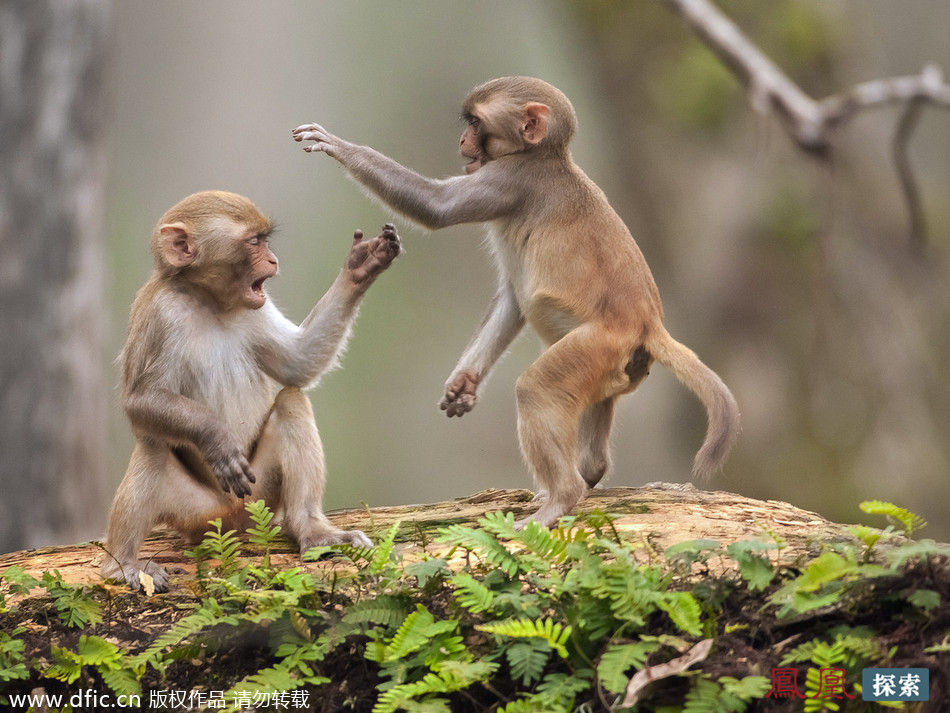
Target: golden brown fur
x: 567, y: 265
x: 204, y: 351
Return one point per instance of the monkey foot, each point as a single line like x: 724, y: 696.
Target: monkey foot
x: 131, y: 572
x: 540, y: 497
x: 354, y: 538
x: 554, y: 505
x: 547, y: 516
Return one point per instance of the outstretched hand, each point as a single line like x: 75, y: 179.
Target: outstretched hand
x: 322, y: 139
x: 368, y: 258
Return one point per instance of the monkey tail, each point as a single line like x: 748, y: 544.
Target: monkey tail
x: 722, y: 411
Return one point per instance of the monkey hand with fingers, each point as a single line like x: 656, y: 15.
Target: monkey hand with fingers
x: 567, y: 265
x: 368, y: 258
x: 204, y: 349
x: 460, y: 393
x: 322, y: 139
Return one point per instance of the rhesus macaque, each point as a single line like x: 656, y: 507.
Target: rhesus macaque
x: 205, y: 345
x: 567, y: 265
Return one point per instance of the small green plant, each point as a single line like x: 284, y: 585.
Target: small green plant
x: 97, y: 653
x: 13, y: 664
x: 544, y: 620
x: 74, y: 605
x: 907, y: 520
x: 216, y: 553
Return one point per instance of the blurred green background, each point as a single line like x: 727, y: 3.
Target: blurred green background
x: 790, y: 277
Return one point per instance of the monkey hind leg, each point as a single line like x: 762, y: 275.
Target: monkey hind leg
x: 596, y: 422
x: 568, y: 378
x: 291, y: 444
x: 135, y: 510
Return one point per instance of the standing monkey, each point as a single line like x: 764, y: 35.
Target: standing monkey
x: 567, y: 265
x: 204, y: 347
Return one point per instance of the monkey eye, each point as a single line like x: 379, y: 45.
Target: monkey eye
x: 258, y: 240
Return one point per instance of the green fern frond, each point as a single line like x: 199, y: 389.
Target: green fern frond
x: 530, y: 704
x: 427, y: 570
x: 386, y: 610
x: 271, y: 680
x: 471, y: 594
x: 210, y: 614
x: 543, y: 542
x: 554, y: 633
x: 703, y: 697
x: 907, y: 520
x: 748, y: 688
x: 416, y: 631
x: 618, y: 659
x: 483, y: 544
x: 449, y: 676
x: 917, y: 550
x: 74, y: 606
x: 560, y: 688
x: 262, y: 533
x: 527, y: 659
x: 500, y: 524
x: 683, y: 609
x: 383, y: 554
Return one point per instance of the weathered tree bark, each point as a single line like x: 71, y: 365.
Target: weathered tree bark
x: 52, y: 381
x: 657, y: 515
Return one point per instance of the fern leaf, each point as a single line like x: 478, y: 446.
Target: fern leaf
x: 618, y: 659
x: 499, y: 524
x: 683, y: 609
x: 209, y: 615
x: 426, y: 570
x: 542, y: 542
x: 472, y: 594
x: 122, y: 681
x: 387, y: 610
x: 748, y: 688
x: 382, y: 555
x: 703, y: 697
x: 416, y: 631
x: 908, y: 520
x: 554, y: 633
x: 483, y: 544
x: 527, y: 659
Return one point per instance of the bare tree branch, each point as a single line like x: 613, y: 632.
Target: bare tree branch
x: 810, y: 122
x: 769, y: 87
x: 928, y: 86
x: 905, y: 173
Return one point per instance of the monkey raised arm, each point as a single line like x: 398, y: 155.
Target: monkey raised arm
x: 433, y: 203
x: 501, y: 324
x: 297, y: 356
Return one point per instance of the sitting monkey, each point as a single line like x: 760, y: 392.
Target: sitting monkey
x: 204, y: 347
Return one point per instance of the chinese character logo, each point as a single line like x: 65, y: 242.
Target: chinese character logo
x: 895, y: 684
x: 784, y: 684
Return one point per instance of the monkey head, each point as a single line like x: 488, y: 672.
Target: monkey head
x: 217, y: 242
x: 513, y: 115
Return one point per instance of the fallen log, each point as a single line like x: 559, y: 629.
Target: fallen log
x: 658, y: 514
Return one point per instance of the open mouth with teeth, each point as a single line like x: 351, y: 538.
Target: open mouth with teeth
x: 255, y: 294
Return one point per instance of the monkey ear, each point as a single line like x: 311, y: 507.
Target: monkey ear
x: 177, y: 245
x: 534, y: 125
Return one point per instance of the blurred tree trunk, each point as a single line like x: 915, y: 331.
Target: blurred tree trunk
x: 52, y: 380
